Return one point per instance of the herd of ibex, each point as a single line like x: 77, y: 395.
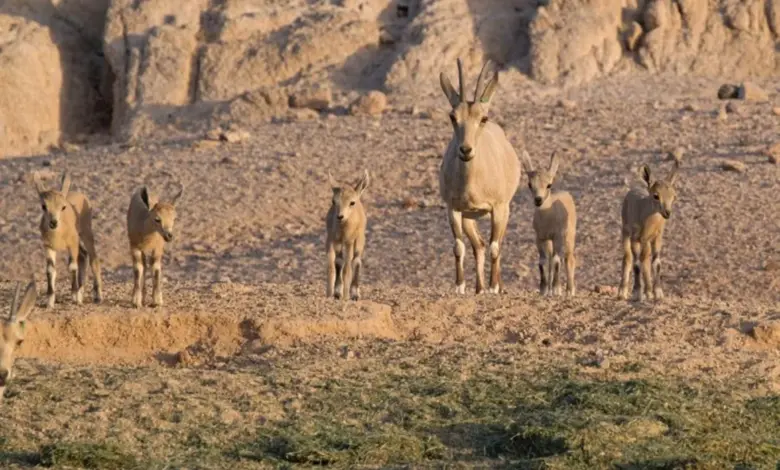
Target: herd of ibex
x: 479, y: 176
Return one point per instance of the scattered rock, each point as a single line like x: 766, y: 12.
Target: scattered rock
x: 751, y: 92
x: 214, y: 134
x: 224, y: 279
x: 690, y: 107
x: 766, y: 333
x: 733, y: 166
x: 676, y: 155
x: 722, y: 114
x: 204, y: 144
x: 373, y: 104
x: 345, y: 352
x: 607, y: 290
x: 734, y: 108
x: 317, y: 98
x: 728, y: 92
x: 183, y: 358
x: 234, y: 136
x: 410, y: 203
x: 772, y: 266
x: 228, y: 161
x: 386, y: 38
x: 596, y: 359
x: 568, y: 105
x: 773, y: 153
x: 630, y: 136
x: 70, y: 147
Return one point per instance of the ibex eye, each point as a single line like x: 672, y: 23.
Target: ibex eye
x: 452, y: 118
x: 549, y: 186
x: 656, y: 197
x: 484, y: 120
x: 43, y: 206
x: 19, y: 343
x: 530, y: 186
x: 158, y: 220
x: 352, y: 203
x: 63, y: 207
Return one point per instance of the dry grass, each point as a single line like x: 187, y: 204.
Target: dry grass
x: 400, y: 405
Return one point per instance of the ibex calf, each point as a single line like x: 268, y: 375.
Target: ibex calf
x: 555, y: 224
x: 346, y: 225
x: 149, y: 226
x: 66, y: 224
x: 13, y: 331
x: 644, y: 214
x: 479, y: 176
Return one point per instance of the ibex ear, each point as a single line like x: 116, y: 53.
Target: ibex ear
x: 38, y: 183
x: 145, y: 197
x: 672, y: 178
x: 644, y: 172
x: 555, y: 161
x: 449, y: 90
x: 525, y: 160
x: 362, y: 184
x: 28, y: 302
x: 65, y: 185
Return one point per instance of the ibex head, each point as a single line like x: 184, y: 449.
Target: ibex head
x: 469, y: 117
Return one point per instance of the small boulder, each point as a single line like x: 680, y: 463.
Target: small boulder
x: 373, y: 104
x: 234, y: 136
x: 751, y: 92
x: 733, y: 166
x: 776, y: 110
x: 728, y: 92
x: 317, y: 98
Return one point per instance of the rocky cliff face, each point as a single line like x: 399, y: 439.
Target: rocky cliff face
x: 148, y: 67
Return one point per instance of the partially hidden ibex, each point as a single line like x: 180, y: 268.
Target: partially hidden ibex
x: 479, y: 176
x: 13, y: 331
x: 66, y: 225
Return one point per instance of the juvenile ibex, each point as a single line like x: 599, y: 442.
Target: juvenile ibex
x: 13, y: 331
x: 555, y: 224
x: 346, y: 225
x: 149, y: 225
x: 479, y: 176
x: 66, y: 224
x: 644, y: 213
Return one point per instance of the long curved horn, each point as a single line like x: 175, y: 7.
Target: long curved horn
x: 176, y: 196
x: 15, y: 301
x: 461, y: 82
x: 481, y: 80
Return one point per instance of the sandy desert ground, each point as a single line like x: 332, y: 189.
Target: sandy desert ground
x: 248, y: 365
